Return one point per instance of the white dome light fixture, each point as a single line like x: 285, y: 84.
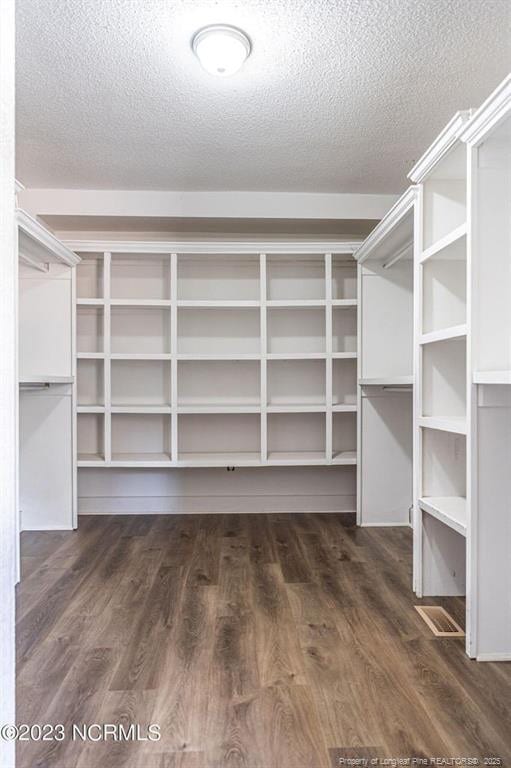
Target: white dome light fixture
x: 221, y: 49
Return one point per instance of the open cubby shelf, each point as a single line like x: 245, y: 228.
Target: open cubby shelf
x: 216, y: 360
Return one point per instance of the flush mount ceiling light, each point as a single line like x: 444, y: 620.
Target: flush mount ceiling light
x: 221, y: 49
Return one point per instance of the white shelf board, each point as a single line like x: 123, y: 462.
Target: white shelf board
x: 344, y: 302
x: 140, y: 409
x: 451, y: 510
x: 296, y: 356
x: 90, y: 355
x: 218, y: 459
x: 135, y: 356
x: 90, y: 302
x: 90, y: 408
x: 216, y: 408
x: 140, y: 303
x: 342, y: 408
x: 140, y: 459
x: 296, y: 303
x: 492, y: 377
x: 344, y: 355
x: 211, y: 303
x: 454, y: 332
x: 345, y: 457
x: 45, y: 379
x: 218, y: 357
x: 387, y: 381
x: 297, y: 408
x: 294, y: 458
x: 455, y: 425
x: 90, y: 459
x: 444, y: 242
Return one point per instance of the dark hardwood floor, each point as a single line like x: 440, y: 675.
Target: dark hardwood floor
x: 257, y: 641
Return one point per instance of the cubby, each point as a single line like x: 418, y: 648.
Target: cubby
x: 344, y: 279
x: 295, y: 278
x: 213, y: 331
x: 344, y: 329
x: 444, y: 381
x: 89, y: 276
x: 212, y: 383
x: 219, y: 439
x: 344, y: 437
x: 218, y: 278
x: 444, y: 197
x: 296, y: 382
x: 140, y: 276
x: 296, y: 437
x: 141, y: 437
x: 140, y: 330
x: 296, y: 330
x: 89, y: 330
x: 444, y: 282
x: 91, y: 438
x: 140, y: 382
x: 344, y: 382
x: 90, y: 382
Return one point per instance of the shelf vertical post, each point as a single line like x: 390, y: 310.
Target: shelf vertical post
x: 107, y: 349
x: 328, y: 362
x: 264, y: 362
x: 173, y: 359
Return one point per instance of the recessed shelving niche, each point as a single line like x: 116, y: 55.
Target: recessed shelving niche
x: 216, y: 358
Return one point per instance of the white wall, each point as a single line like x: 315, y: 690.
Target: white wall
x: 7, y: 379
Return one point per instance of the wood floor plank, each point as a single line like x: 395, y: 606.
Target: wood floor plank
x: 254, y: 641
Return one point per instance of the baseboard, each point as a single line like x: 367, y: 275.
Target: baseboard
x: 399, y: 524
x: 48, y: 528
x: 150, y: 505
x: 494, y: 656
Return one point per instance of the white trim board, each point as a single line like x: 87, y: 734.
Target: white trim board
x: 253, y: 504
x: 445, y: 141
x: 220, y: 247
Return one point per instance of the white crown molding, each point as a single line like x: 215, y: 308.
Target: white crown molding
x: 387, y: 225
x: 215, y: 246
x: 439, y: 148
x: 38, y: 245
x: 496, y: 107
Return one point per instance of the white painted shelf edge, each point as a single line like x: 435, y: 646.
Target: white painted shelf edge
x: 454, y: 332
x: 387, y: 381
x: 456, y: 425
x: 492, y: 377
x: 444, y: 242
x: 451, y: 510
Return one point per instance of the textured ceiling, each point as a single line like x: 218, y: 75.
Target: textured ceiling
x: 337, y: 96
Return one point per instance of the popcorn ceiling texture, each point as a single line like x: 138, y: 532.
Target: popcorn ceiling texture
x: 337, y: 96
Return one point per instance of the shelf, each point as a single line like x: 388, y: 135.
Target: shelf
x: 492, y: 377
x: 140, y: 459
x: 453, y: 238
x: 220, y: 357
x: 218, y: 331
x: 292, y: 330
x: 140, y: 409
x: 344, y: 302
x: 90, y: 355
x: 296, y: 303
x: 140, y: 303
x: 212, y: 303
x: 90, y: 279
x: 294, y: 458
x: 218, y: 279
x: 90, y: 408
x: 90, y: 459
x: 296, y: 356
x: 140, y: 277
x: 344, y: 279
x: 456, y: 425
x: 45, y: 379
x: 215, y: 408
x: 90, y: 302
x: 344, y: 408
x: 454, y: 332
x: 344, y: 355
x: 451, y: 510
x: 392, y: 381
x: 297, y: 408
x: 205, y: 459
x: 140, y: 356
x: 143, y: 329
x: 348, y: 458
x: 297, y: 281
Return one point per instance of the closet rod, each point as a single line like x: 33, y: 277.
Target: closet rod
x: 397, y: 256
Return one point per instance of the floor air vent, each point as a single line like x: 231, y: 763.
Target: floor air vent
x: 439, y: 621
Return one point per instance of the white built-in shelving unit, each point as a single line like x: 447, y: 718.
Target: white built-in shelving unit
x: 462, y: 525
x: 385, y: 392
x: 46, y: 378
x: 216, y: 354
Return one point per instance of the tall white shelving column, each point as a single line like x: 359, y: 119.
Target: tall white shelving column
x: 328, y: 350
x: 174, y: 394
x: 107, y: 337
x: 264, y: 358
